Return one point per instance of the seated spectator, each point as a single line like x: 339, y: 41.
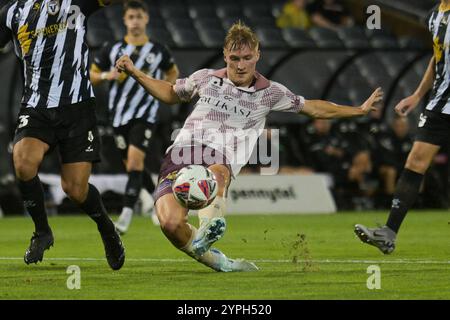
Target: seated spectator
x: 336, y: 153
x: 284, y: 153
x: 331, y: 14
x: 372, y: 129
x: 292, y: 150
x: 390, y: 156
x: 358, y: 150
x: 294, y: 15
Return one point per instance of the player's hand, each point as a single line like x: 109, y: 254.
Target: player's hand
x: 112, y: 75
x: 124, y: 64
x: 405, y: 106
x: 373, y: 101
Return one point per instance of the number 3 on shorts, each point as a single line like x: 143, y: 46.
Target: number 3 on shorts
x: 23, y: 121
x: 121, y: 143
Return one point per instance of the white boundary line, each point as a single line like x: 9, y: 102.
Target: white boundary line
x: 324, y: 261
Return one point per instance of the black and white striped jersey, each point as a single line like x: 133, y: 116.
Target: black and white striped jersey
x: 128, y: 100
x: 49, y: 37
x: 438, y: 24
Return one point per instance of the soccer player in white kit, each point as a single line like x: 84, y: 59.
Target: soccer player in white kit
x: 233, y: 103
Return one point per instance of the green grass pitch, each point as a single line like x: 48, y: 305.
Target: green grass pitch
x: 300, y: 257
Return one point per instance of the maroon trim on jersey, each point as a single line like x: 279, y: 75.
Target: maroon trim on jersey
x: 260, y: 84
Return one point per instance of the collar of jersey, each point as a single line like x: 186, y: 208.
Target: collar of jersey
x: 137, y: 44
x: 260, y: 84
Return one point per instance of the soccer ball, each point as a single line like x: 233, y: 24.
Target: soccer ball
x: 195, y: 187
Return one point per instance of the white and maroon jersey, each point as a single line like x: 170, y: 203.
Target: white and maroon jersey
x: 227, y: 118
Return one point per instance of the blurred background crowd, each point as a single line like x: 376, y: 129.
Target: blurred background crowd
x: 320, y: 49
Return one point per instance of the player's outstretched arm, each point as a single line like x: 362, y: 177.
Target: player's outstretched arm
x: 406, y: 105
x: 160, y: 89
x: 328, y: 110
x: 172, y: 74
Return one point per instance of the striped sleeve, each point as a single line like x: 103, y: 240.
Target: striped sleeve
x: 429, y: 18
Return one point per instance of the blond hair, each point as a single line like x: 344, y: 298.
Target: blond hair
x: 239, y: 36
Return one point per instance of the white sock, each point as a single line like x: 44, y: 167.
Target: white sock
x: 215, y: 210
x: 126, y: 212
x: 147, y: 202
x: 124, y: 220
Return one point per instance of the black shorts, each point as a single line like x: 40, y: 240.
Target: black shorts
x: 72, y: 128
x: 434, y: 128
x: 136, y: 133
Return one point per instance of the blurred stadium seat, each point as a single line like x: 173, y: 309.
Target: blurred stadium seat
x: 194, y: 30
x: 270, y: 37
x: 186, y: 38
x: 326, y: 38
x: 353, y: 37
x: 297, y: 38
x: 212, y: 37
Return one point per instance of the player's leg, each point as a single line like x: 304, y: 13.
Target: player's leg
x: 146, y: 196
x: 406, y: 192
x: 408, y: 185
x: 79, y: 147
x: 135, y: 168
x: 74, y: 181
x: 137, y: 138
x: 175, y: 226
x: 174, y: 220
x: 212, y: 222
x: 433, y: 132
x: 28, y: 154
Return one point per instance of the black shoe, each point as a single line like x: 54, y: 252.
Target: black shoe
x: 39, y: 243
x: 114, y: 250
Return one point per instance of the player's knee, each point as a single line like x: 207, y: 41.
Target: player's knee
x: 134, y: 165
x: 417, y: 163
x: 25, y: 168
x: 75, y: 191
x: 170, y: 225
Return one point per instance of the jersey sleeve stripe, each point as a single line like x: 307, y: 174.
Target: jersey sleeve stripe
x: 9, y: 17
